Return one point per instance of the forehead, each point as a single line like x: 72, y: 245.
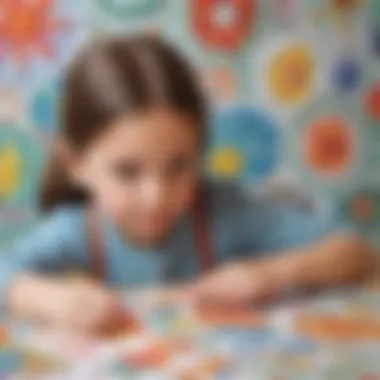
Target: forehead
x: 155, y: 133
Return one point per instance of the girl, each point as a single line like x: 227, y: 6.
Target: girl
x: 124, y: 202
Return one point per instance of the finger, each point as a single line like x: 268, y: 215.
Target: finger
x: 236, y: 294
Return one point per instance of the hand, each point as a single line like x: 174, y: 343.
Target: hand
x: 85, y: 306
x: 82, y: 306
x: 236, y: 284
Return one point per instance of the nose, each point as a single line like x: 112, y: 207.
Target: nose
x: 154, y: 193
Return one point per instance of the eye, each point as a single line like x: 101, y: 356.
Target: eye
x: 126, y: 171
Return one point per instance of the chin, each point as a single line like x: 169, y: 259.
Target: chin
x: 154, y: 233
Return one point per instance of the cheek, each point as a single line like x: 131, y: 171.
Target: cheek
x: 182, y: 192
x: 112, y: 196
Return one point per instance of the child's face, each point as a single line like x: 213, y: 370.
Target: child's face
x: 143, y: 171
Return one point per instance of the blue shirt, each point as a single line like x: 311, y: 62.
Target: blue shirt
x: 241, y: 226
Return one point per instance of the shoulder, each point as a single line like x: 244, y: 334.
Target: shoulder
x: 58, y: 231
x: 65, y: 223
x: 65, y: 215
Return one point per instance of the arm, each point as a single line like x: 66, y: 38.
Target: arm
x: 26, y: 269
x: 284, y: 248
x: 336, y: 260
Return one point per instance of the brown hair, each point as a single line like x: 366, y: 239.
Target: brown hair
x: 109, y: 79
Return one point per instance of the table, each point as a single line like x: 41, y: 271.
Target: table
x: 331, y: 336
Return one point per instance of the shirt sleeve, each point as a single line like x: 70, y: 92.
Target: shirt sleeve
x: 269, y: 226
x: 48, y: 249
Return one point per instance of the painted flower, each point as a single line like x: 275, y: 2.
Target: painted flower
x: 290, y: 74
x: 328, y: 145
x: 347, y: 74
x: 372, y: 102
x: 20, y: 163
x: 362, y: 208
x: 244, y: 144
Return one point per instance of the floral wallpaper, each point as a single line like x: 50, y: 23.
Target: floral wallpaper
x: 295, y: 87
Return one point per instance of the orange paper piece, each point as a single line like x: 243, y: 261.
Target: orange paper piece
x: 328, y: 327
x: 237, y: 317
x: 4, y: 336
x: 154, y: 355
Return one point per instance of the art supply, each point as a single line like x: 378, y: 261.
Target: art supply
x: 334, y: 333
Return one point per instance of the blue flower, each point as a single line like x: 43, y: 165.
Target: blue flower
x: 244, y: 143
x: 347, y: 74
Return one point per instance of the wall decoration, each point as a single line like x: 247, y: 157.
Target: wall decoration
x: 129, y: 9
x: 362, y: 208
x: 10, y: 171
x: 347, y: 74
x: 222, y: 83
x: 226, y: 162
x: 244, y: 144
x: 326, y: 148
x: 285, y: 73
x: 285, y: 11
x: 340, y: 12
x: 291, y: 73
x: 375, y: 36
x: 294, y: 86
x: 20, y: 162
x: 372, y: 102
x: 12, y: 106
x: 328, y: 145
x: 27, y: 29
x: 223, y: 25
x: 44, y: 108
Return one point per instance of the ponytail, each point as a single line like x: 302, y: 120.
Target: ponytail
x: 56, y: 187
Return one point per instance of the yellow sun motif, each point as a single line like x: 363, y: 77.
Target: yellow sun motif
x: 291, y: 74
x: 226, y: 162
x: 10, y: 171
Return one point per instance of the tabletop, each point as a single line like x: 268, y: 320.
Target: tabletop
x: 333, y: 335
